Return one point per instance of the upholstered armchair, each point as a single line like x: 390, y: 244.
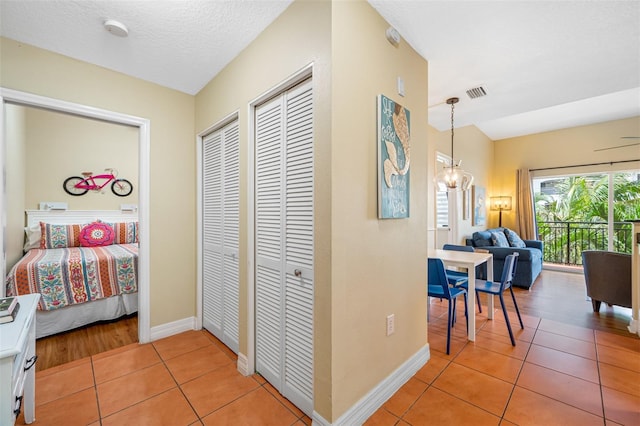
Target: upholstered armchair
x: 608, y: 277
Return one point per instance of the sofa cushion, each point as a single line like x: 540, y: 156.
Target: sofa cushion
x: 514, y: 239
x: 499, y: 239
x: 482, y: 239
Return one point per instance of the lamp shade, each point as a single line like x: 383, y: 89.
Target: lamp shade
x: 500, y: 203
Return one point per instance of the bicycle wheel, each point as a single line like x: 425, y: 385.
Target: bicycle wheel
x: 121, y: 187
x: 70, y: 188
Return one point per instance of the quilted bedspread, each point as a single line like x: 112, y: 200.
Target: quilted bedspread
x: 67, y: 276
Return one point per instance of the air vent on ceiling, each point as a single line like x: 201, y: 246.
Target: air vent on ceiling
x: 477, y: 92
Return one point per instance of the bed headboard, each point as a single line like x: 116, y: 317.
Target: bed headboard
x: 63, y: 217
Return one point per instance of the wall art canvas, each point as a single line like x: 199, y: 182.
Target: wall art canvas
x: 466, y: 204
x: 479, y: 206
x: 393, y: 159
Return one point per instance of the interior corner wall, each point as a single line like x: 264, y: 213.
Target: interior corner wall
x: 561, y: 148
x: 298, y: 37
x: 171, y: 158
x: 378, y: 266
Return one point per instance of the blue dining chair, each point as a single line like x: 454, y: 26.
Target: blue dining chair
x: 438, y: 286
x: 498, y: 288
x: 459, y: 278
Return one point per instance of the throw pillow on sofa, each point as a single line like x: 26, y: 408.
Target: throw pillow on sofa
x: 514, y: 239
x: 499, y: 239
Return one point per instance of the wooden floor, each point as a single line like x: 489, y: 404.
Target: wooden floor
x: 85, y: 341
x: 557, y: 296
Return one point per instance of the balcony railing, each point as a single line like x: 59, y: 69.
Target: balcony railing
x: 564, y: 242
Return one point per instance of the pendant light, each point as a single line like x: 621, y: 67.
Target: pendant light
x: 453, y: 177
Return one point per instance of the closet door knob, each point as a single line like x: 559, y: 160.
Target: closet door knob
x: 298, y: 273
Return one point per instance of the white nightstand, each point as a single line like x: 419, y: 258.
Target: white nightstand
x: 17, y: 360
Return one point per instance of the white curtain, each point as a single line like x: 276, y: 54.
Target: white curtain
x: 524, y: 206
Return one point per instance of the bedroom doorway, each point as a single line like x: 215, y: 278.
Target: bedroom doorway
x: 13, y: 97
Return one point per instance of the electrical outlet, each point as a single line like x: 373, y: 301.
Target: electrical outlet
x: 391, y: 324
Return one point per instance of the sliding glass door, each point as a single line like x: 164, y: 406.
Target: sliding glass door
x: 586, y: 212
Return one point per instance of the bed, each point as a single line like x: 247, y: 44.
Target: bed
x: 83, y: 263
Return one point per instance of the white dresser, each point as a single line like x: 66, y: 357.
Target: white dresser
x: 17, y: 360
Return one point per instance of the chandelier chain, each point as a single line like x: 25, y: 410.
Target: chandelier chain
x: 452, y: 107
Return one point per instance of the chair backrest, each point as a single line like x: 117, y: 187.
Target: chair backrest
x: 607, y: 276
x: 509, y: 270
x: 457, y: 248
x: 437, y: 278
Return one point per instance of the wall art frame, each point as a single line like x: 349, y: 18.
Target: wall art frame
x: 394, y: 159
x: 479, y: 206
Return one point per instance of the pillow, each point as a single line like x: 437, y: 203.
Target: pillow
x: 59, y: 236
x: 96, y: 234
x: 125, y: 232
x: 514, y: 239
x: 499, y: 239
x: 32, y: 236
x: 482, y: 239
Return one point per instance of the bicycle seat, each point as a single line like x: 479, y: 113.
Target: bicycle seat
x: 86, y: 174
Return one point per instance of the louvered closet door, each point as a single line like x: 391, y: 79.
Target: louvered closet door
x: 221, y: 191
x: 284, y: 244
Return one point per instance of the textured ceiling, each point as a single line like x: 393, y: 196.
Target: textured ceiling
x: 178, y: 44
x: 545, y: 64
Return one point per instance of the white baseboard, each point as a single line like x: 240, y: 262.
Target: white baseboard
x: 376, y: 397
x: 171, y: 328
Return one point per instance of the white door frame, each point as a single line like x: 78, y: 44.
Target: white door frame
x: 10, y: 96
x: 248, y: 361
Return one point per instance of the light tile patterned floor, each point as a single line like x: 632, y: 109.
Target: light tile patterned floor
x: 557, y: 374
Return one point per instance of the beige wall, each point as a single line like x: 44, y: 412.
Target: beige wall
x: 358, y: 257
x: 566, y: 147
x: 15, y: 172
x: 62, y: 145
x: 172, y: 157
x: 378, y: 266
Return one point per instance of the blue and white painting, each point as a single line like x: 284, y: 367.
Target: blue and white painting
x: 393, y: 159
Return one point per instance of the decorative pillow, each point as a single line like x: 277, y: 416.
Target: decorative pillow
x: 514, y: 239
x: 59, y: 236
x: 125, y: 232
x: 32, y: 237
x: 499, y: 239
x: 482, y: 239
x: 97, y: 234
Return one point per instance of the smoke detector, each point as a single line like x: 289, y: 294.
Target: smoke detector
x: 116, y: 28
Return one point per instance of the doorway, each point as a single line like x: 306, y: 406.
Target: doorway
x: 14, y: 97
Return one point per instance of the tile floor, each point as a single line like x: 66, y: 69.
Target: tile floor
x: 187, y: 379
x: 557, y: 374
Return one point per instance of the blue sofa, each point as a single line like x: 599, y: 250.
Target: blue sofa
x: 530, y: 253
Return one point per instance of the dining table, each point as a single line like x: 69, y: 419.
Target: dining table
x: 468, y: 260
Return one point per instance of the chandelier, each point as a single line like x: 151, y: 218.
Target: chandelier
x: 453, y: 177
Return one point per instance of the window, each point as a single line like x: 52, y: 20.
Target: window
x: 442, y: 198
x: 586, y: 212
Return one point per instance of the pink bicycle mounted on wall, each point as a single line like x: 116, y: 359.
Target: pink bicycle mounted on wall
x: 76, y: 185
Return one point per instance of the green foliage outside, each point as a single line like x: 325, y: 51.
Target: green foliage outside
x: 574, y: 218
